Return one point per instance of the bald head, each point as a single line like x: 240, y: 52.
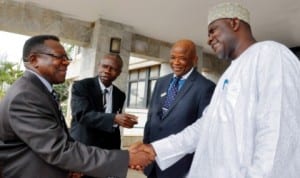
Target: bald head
x: 188, y: 45
x: 183, y: 57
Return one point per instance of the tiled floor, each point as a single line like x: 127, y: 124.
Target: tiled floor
x: 135, y: 174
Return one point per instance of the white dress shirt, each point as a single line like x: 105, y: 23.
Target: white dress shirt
x: 108, y: 98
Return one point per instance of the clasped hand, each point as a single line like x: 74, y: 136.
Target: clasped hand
x: 140, y: 155
x: 126, y: 120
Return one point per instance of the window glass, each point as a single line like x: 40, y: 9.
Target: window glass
x: 142, y: 74
x: 154, y: 71
x: 133, y: 75
x: 133, y: 94
x: 141, y: 85
x: 141, y: 95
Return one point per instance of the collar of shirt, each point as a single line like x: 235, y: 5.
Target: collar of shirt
x: 43, y: 80
x: 102, y: 87
x: 184, y: 77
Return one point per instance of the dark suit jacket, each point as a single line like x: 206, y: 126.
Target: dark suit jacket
x: 188, y: 106
x: 34, y: 144
x: 90, y: 125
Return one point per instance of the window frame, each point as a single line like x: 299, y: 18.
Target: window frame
x: 147, y: 89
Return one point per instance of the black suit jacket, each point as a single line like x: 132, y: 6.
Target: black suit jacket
x: 34, y: 143
x: 188, y: 106
x: 90, y: 124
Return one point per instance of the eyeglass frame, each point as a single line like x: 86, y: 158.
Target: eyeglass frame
x: 61, y: 57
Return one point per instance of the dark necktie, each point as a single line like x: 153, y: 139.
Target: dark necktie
x: 104, y: 93
x: 171, y: 94
x: 61, y: 116
x: 56, y: 97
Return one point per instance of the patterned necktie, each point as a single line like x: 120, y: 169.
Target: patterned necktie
x: 104, y: 93
x: 171, y: 94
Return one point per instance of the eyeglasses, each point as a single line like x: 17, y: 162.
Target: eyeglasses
x: 62, y: 57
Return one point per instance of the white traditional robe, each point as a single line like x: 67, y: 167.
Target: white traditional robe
x: 251, y: 129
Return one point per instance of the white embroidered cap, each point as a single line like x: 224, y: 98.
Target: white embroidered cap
x: 228, y: 10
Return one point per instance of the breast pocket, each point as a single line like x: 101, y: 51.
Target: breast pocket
x: 232, y: 93
x: 228, y: 104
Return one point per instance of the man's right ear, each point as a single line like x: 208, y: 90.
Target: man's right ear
x: 32, y: 60
x: 235, y: 23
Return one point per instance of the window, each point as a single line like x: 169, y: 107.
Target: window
x: 141, y: 85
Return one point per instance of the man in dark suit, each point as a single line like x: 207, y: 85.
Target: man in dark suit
x: 97, y: 105
x: 34, y: 140
x: 167, y: 117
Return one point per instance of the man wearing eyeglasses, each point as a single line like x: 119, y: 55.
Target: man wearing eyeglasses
x: 34, y: 140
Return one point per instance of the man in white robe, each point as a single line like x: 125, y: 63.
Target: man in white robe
x: 251, y: 129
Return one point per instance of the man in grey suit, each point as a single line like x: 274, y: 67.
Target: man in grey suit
x: 165, y: 117
x: 34, y: 140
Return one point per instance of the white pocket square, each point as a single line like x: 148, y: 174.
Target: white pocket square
x: 163, y: 94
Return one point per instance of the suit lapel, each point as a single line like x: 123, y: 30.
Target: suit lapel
x: 185, y: 88
x: 59, y: 115
x: 164, y: 89
x: 37, y: 82
x: 114, y: 100
x: 96, y: 93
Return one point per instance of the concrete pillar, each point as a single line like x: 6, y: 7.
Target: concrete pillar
x: 103, y: 31
x: 86, y: 64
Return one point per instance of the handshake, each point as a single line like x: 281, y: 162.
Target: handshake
x: 140, y: 155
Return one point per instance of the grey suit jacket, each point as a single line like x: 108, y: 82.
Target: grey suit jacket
x: 34, y: 144
x: 188, y: 106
